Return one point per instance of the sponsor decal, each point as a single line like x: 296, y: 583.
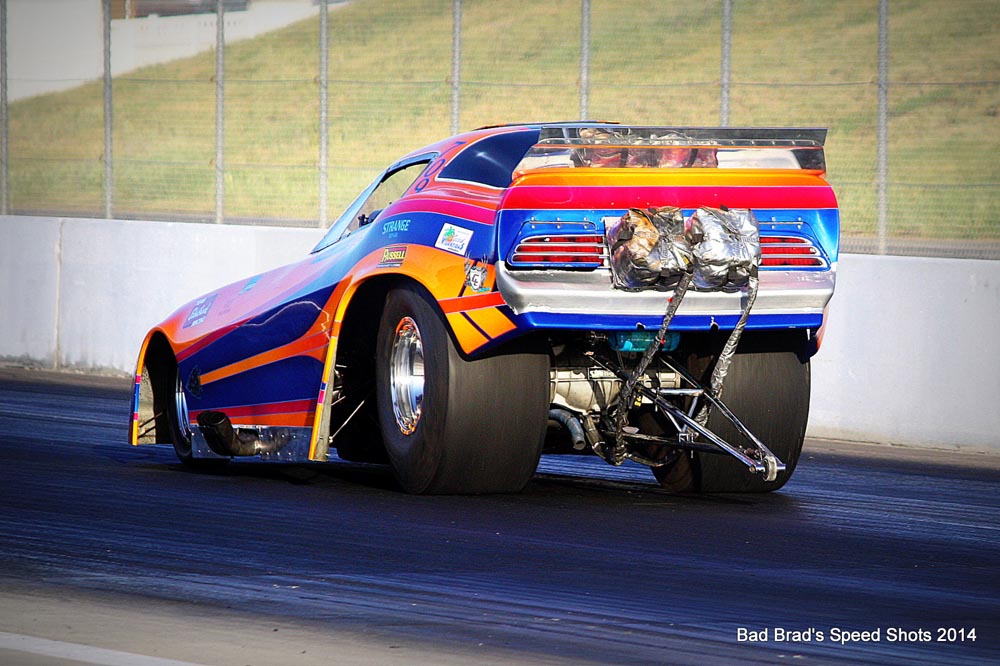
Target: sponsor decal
x: 475, y: 276
x: 393, y: 227
x: 200, y: 311
x: 453, y: 239
x: 392, y: 256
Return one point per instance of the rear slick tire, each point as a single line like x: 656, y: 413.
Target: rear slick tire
x: 769, y: 392
x: 451, y: 425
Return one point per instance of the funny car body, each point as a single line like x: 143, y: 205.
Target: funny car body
x: 651, y: 294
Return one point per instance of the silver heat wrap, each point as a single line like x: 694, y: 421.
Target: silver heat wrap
x: 649, y: 248
x: 726, y: 246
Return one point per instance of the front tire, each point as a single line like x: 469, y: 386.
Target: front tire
x: 452, y: 425
x: 769, y: 392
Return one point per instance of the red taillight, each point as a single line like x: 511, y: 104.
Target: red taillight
x: 582, y: 251
x: 789, y: 251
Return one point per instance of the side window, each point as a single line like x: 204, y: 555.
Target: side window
x: 391, y: 188
x: 366, y: 207
x: 491, y: 161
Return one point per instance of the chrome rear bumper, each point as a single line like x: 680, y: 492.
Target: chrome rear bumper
x: 591, y: 293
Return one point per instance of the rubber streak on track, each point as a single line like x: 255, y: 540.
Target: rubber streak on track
x: 591, y: 564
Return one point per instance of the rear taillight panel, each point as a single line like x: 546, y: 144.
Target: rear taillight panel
x: 789, y: 251
x: 565, y: 245
x: 787, y: 241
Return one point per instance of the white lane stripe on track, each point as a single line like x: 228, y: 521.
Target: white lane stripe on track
x: 82, y: 653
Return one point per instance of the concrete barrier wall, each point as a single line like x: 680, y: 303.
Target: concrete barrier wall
x: 29, y: 289
x: 80, y: 293
x: 158, y: 39
x: 909, y: 355
x: 59, y: 44
x: 53, y: 45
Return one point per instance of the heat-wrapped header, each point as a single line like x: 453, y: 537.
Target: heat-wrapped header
x: 653, y: 248
x: 649, y: 249
x: 726, y: 247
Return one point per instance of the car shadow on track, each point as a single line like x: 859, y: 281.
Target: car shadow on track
x: 545, y: 488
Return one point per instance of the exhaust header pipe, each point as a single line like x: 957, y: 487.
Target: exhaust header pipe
x: 225, y: 440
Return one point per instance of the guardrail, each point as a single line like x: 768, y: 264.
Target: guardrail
x: 909, y: 354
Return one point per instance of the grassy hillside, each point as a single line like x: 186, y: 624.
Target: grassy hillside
x: 795, y: 62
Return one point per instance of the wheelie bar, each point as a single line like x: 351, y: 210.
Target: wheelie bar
x: 713, y: 250
x: 765, y: 463
x: 758, y: 459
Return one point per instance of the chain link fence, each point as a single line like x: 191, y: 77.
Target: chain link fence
x: 280, y: 111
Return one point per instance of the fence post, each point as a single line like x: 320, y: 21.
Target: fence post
x: 882, y: 176
x: 584, y: 59
x: 220, y: 116
x: 324, y: 60
x: 725, y: 61
x: 108, y: 111
x: 4, y: 125
x: 456, y: 64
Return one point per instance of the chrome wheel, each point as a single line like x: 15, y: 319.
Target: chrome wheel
x: 180, y: 405
x: 436, y: 409
x: 406, y: 375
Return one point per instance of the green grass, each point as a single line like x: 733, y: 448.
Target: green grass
x: 804, y: 62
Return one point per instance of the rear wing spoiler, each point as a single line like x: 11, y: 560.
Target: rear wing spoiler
x: 622, y: 146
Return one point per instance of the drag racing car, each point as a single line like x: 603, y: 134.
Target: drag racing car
x: 646, y: 294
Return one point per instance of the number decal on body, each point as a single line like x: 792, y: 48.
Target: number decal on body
x: 436, y: 165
